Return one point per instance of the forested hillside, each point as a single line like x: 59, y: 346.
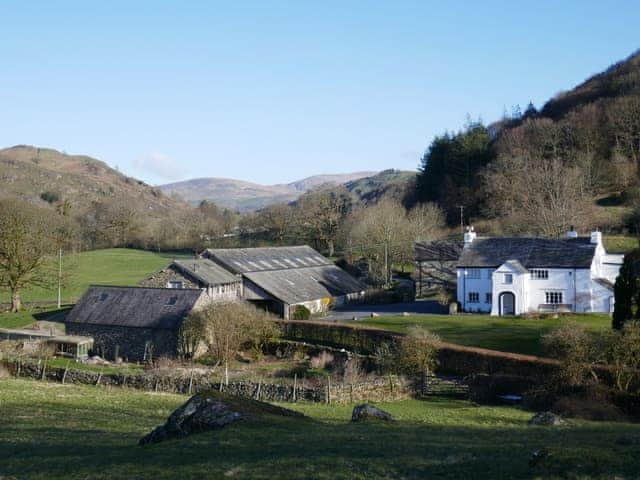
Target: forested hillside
x: 573, y: 162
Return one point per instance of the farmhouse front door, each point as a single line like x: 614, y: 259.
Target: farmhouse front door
x: 507, y: 304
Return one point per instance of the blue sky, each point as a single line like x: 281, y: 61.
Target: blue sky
x: 272, y: 91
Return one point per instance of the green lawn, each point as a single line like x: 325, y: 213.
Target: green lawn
x: 508, y: 334
x: 54, y: 431
x: 28, y: 316
x: 114, y: 266
x: 620, y: 243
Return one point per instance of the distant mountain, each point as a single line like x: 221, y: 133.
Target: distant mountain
x: 43, y: 175
x: 247, y: 196
x: 386, y: 183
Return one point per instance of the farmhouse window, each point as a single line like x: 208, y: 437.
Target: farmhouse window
x: 175, y: 284
x: 508, y: 278
x: 488, y: 298
x: 538, y: 274
x: 553, y: 298
x: 474, y: 273
x: 172, y: 301
x: 474, y: 297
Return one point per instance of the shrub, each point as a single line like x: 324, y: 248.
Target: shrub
x: 418, y: 353
x: 573, y: 346
x: 50, y: 197
x: 321, y: 361
x: 301, y: 313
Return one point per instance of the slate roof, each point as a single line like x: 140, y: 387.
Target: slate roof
x: 139, y: 307
x: 206, y: 271
x: 242, y: 260
x: 305, y: 284
x: 439, y: 250
x: 530, y: 252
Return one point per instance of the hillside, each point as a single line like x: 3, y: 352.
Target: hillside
x: 41, y: 175
x: 388, y: 182
x: 246, y: 196
x: 580, y: 151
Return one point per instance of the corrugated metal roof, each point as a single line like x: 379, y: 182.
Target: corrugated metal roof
x: 161, y: 308
x: 530, y: 252
x: 206, y: 271
x: 242, y: 260
x: 299, y: 285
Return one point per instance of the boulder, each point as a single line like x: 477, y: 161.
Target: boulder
x: 211, y: 411
x: 368, y: 412
x: 546, y: 418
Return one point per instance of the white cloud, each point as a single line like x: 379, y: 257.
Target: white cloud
x: 160, y: 166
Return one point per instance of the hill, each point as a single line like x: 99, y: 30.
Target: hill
x: 246, y: 196
x: 388, y: 182
x: 46, y: 176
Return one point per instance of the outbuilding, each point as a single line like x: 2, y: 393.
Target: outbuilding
x: 134, y: 323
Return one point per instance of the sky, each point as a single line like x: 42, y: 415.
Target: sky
x: 273, y: 91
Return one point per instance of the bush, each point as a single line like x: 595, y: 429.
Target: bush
x: 301, y: 313
x: 573, y: 346
x: 487, y: 389
x: 419, y: 353
x: 321, y: 361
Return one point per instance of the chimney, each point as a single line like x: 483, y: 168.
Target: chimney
x: 572, y: 233
x: 596, y: 237
x: 469, y: 235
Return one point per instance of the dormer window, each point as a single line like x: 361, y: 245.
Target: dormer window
x: 103, y: 297
x: 175, y: 284
x: 171, y: 302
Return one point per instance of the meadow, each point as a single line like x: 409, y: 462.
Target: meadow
x: 112, y: 266
x: 507, y: 334
x: 54, y: 431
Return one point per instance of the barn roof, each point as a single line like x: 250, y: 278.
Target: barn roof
x: 305, y: 284
x: 530, y: 252
x: 159, y: 308
x: 439, y: 250
x: 242, y: 260
x: 208, y: 272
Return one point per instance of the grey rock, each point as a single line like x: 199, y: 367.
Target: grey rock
x: 366, y: 412
x: 546, y: 418
x: 199, y: 414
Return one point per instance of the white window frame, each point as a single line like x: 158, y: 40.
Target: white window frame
x: 554, y: 297
x: 474, y: 273
x: 539, y: 274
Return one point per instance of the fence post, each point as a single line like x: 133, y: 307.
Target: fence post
x: 44, y: 369
x: 100, y: 376
x: 329, y: 390
x: 190, y: 381
x: 64, y: 375
x: 258, y: 391
x: 295, y: 386
x: 124, y: 380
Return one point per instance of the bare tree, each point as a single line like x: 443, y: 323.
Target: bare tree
x: 426, y: 222
x: 538, y: 195
x: 419, y: 354
x: 321, y: 212
x: 27, y: 241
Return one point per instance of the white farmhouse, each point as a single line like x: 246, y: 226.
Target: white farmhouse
x: 513, y: 276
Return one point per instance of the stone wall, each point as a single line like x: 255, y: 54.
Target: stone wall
x: 133, y: 344
x: 381, y: 389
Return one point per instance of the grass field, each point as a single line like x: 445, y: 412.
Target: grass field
x: 53, y: 431
x: 114, y: 266
x: 620, y: 243
x: 508, y: 334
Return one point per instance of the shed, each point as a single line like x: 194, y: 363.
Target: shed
x: 135, y: 323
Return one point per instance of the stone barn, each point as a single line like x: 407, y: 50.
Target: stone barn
x: 436, y: 264
x: 218, y: 283
x: 134, y: 323
x: 280, y: 278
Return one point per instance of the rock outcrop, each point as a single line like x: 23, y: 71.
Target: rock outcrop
x: 211, y: 411
x: 546, y: 418
x: 367, y: 412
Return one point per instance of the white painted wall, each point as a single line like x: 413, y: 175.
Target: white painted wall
x: 482, y: 286
x: 518, y: 287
